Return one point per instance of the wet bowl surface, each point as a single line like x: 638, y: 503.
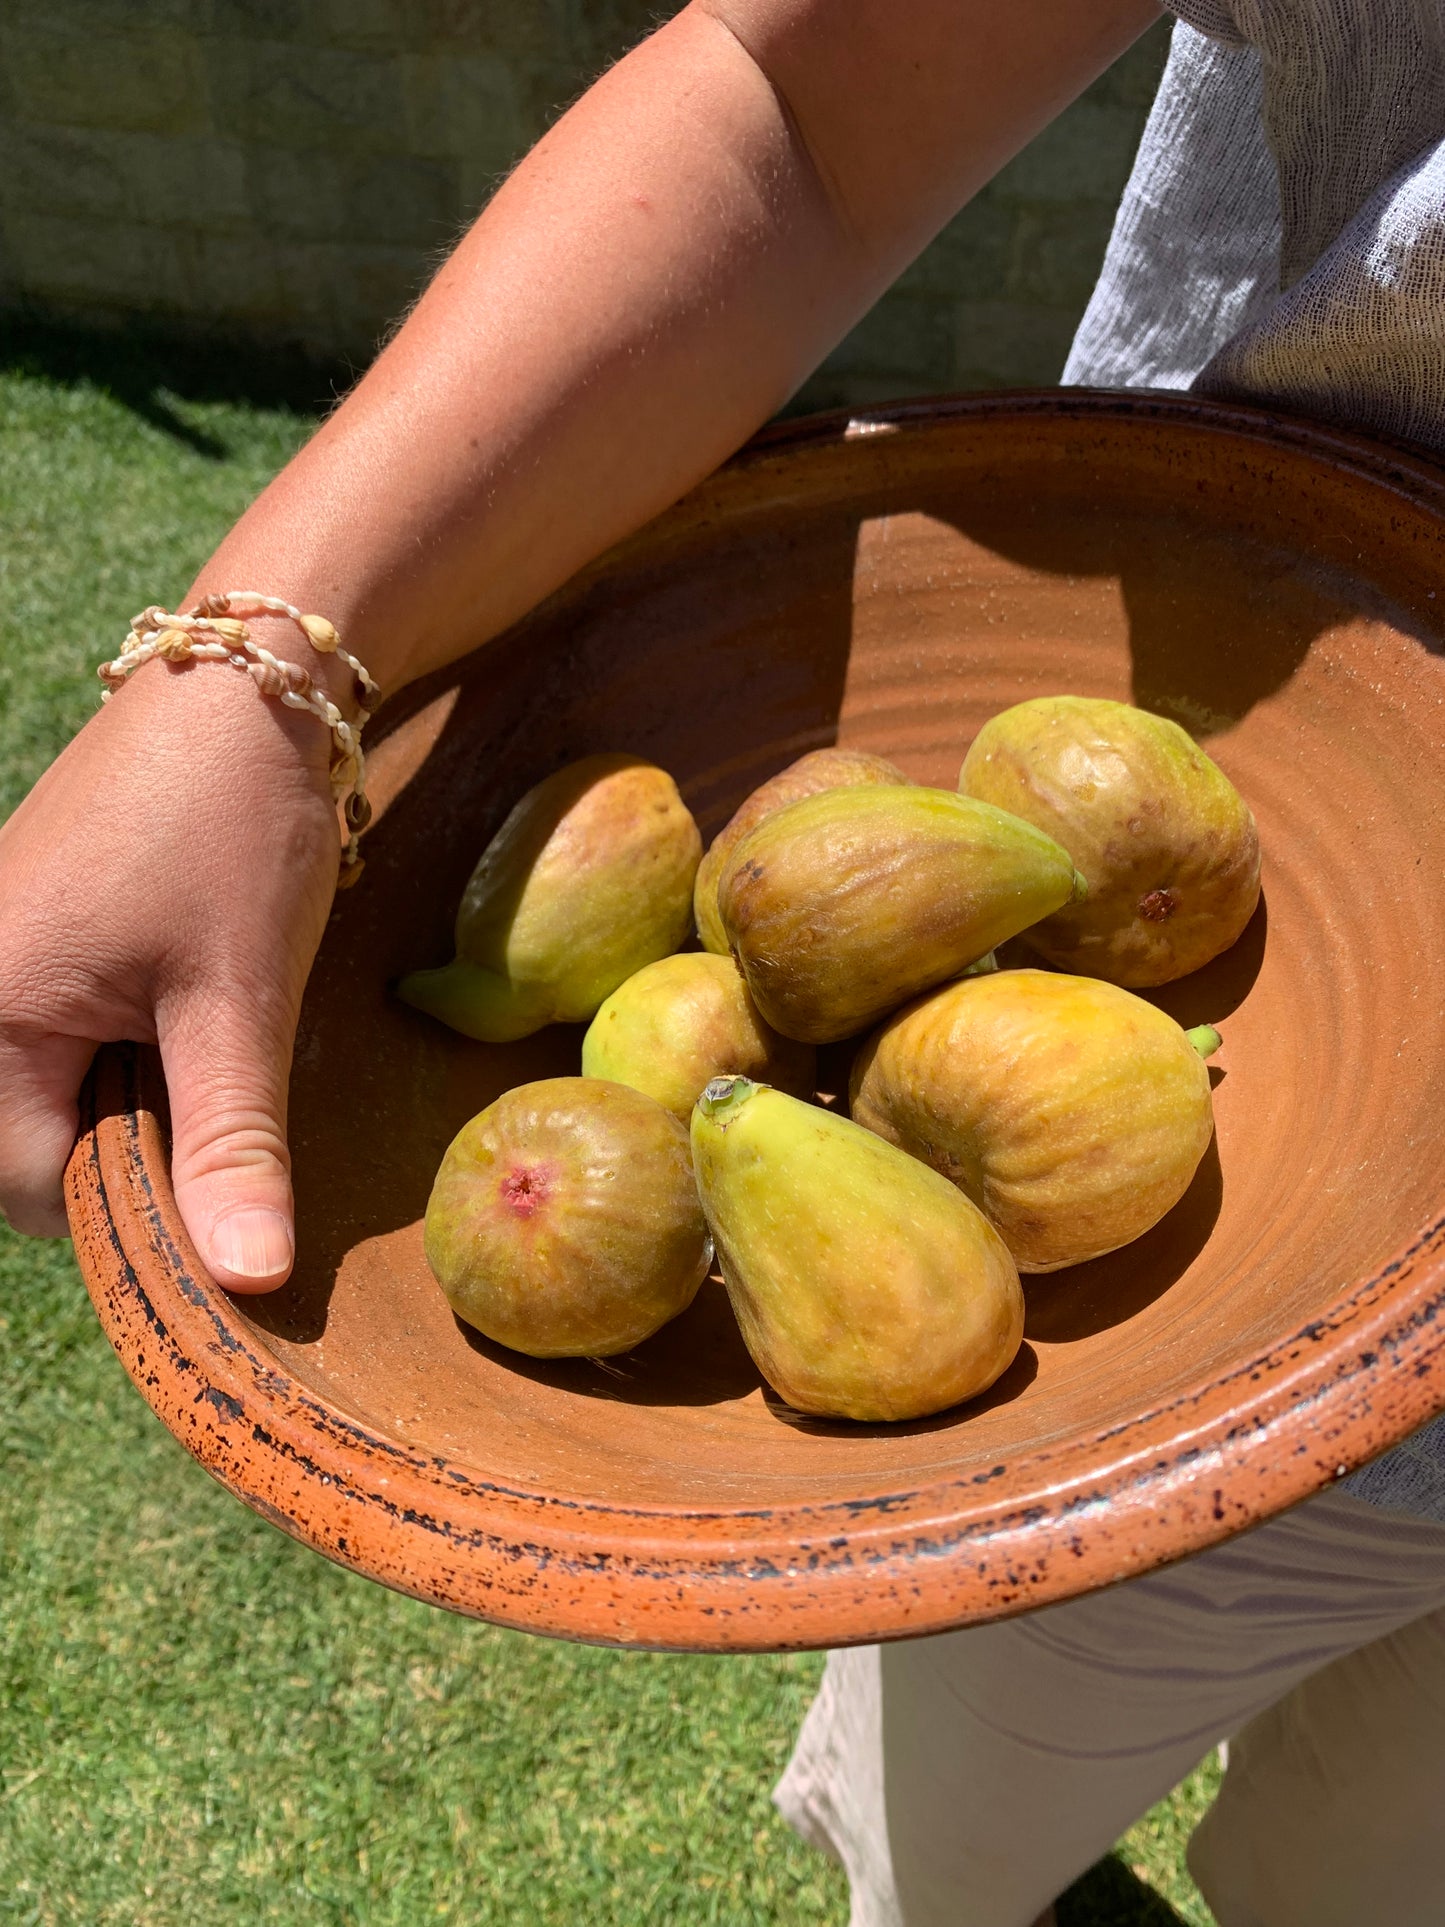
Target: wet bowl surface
x: 888, y: 584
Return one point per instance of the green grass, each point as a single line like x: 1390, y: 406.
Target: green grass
x: 200, y: 1721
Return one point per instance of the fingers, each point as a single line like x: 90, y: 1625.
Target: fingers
x: 178, y: 934
x: 39, y: 1081
x: 227, y: 1064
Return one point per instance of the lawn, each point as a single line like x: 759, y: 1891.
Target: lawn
x: 201, y: 1721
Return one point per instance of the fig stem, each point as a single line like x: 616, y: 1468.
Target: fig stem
x: 1081, y: 888
x: 725, y: 1096
x: 1205, y: 1039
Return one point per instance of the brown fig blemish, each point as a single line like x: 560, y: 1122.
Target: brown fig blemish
x: 1159, y: 906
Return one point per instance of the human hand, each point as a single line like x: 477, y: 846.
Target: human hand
x: 168, y: 880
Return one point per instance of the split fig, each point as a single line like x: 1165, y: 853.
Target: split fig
x: 564, y: 1220
x: 588, y: 879
x: 1073, y: 1113
x: 1167, y: 845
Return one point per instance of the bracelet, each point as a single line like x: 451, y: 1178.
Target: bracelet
x: 215, y: 631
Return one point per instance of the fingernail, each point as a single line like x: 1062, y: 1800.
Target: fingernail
x: 252, y: 1243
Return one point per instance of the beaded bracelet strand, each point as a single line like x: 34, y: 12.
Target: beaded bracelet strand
x: 215, y: 631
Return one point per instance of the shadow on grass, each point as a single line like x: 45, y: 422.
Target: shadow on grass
x: 148, y: 370
x: 1109, y: 1895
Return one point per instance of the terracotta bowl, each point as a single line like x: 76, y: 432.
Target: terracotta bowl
x: 889, y: 582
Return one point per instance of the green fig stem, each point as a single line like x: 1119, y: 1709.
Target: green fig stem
x: 1081, y: 888
x: 724, y: 1097
x: 1205, y: 1039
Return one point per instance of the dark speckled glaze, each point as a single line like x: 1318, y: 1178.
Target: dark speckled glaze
x: 889, y: 585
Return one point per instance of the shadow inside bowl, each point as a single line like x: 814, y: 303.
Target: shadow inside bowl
x: 1205, y: 996
x: 1192, y: 629
x: 1081, y: 1300
x: 698, y: 1358
x: 1210, y: 995
x: 1014, y: 1382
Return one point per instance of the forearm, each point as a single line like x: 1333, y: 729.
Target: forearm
x: 636, y: 298
x: 653, y: 281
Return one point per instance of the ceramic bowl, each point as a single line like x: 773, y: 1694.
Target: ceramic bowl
x: 887, y: 582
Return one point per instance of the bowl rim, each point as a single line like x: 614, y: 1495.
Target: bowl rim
x: 1188, y: 1473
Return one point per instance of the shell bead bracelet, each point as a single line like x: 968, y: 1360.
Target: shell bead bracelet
x: 215, y: 631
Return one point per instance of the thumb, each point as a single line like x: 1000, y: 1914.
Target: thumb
x: 227, y: 1067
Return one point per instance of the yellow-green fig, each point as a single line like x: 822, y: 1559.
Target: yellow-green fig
x: 564, y: 1220
x: 683, y: 1021
x: 589, y: 878
x: 1166, y: 843
x: 821, y: 769
x: 866, y: 1286
x: 1071, y: 1112
x: 843, y: 905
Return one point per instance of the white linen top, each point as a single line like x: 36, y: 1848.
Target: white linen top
x: 1282, y: 240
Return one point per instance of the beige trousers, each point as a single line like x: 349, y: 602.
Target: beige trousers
x: 965, y: 1780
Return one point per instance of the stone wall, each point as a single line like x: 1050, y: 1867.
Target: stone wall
x: 290, y: 171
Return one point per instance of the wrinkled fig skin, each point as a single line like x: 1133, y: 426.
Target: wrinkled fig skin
x: 1165, y: 842
x: 1072, y: 1113
x: 864, y: 1285
x: 840, y: 907
x: 564, y: 1220
x: 681, y: 1022
x: 820, y: 769
x: 589, y: 878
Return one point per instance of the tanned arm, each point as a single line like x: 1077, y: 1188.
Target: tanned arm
x: 658, y: 275
x: 656, y: 278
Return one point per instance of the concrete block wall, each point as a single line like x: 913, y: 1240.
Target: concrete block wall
x: 291, y: 171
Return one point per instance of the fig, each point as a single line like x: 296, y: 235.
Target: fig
x: 866, y: 1286
x: 683, y: 1021
x: 588, y: 879
x: 1070, y: 1111
x: 840, y: 907
x: 564, y: 1220
x: 820, y: 769
x: 1166, y: 843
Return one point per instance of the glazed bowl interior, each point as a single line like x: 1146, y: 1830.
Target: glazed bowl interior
x: 891, y: 587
